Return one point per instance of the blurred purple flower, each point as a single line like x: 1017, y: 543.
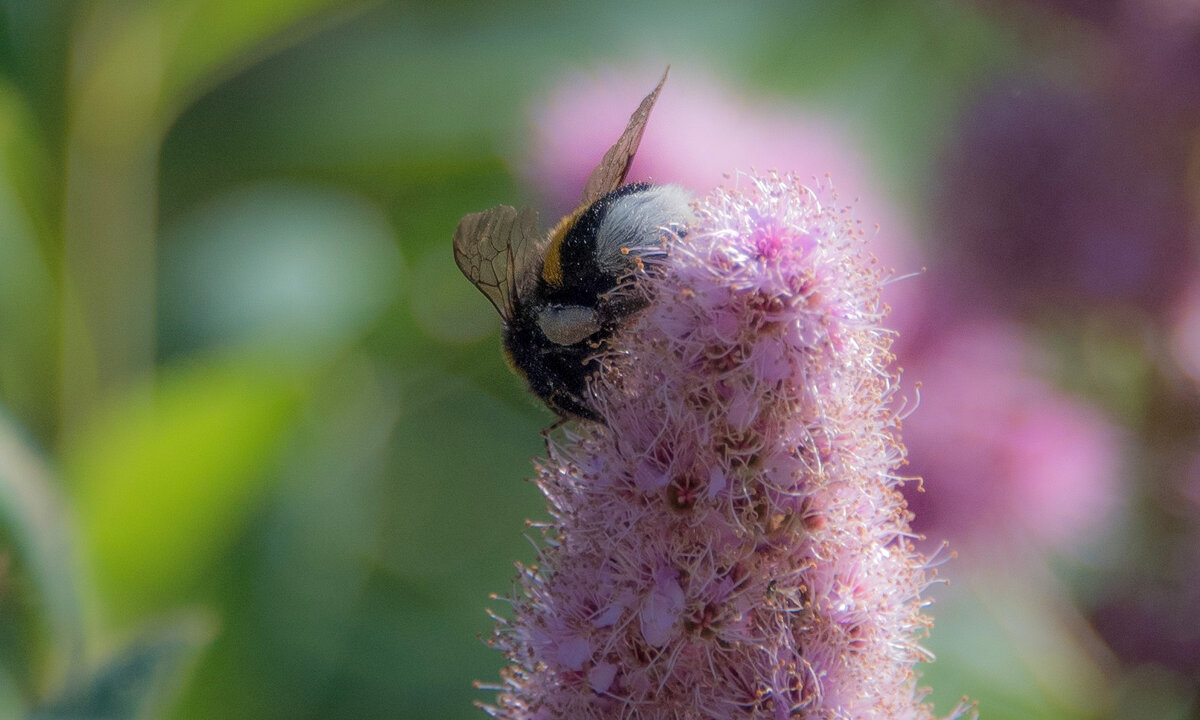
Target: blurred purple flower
x: 731, y: 542
x: 1053, y: 195
x: 700, y: 129
x: 1004, y: 456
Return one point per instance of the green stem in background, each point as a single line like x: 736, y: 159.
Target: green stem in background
x: 110, y: 203
x: 132, y: 70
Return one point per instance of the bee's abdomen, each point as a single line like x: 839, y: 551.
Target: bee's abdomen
x: 558, y: 374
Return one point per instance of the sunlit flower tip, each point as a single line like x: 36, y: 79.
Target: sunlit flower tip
x: 730, y: 542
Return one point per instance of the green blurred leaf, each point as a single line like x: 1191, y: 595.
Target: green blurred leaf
x: 456, y: 514
x: 28, y: 302
x: 900, y: 68
x: 11, y: 703
x: 136, y: 682
x: 299, y: 590
x: 33, y: 518
x: 24, y: 163
x: 1152, y: 692
x: 1011, y: 641
x: 211, y: 39
x: 152, y: 59
x: 133, y: 67
x: 444, y: 306
x: 409, y: 85
x: 167, y: 476
x: 299, y: 267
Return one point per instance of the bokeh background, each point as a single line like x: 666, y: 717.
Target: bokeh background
x: 260, y: 456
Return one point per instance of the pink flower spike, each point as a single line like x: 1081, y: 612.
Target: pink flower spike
x: 731, y: 538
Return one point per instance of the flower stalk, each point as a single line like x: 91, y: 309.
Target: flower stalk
x: 731, y: 542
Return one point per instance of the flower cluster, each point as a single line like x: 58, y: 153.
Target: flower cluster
x: 731, y: 542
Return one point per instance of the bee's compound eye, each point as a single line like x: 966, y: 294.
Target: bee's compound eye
x: 568, y: 324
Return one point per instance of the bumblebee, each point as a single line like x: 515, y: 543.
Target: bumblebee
x: 561, y: 295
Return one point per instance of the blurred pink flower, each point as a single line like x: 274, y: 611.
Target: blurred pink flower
x: 701, y: 129
x: 730, y: 542
x: 1005, y: 456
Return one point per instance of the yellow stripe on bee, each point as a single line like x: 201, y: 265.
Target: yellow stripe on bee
x: 512, y: 364
x: 552, y: 271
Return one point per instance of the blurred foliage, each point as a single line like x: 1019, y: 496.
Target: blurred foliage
x: 259, y: 452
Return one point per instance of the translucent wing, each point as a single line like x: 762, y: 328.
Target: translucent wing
x: 495, y: 249
x: 611, y: 171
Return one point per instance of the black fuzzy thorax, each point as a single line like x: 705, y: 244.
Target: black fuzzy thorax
x: 584, y: 281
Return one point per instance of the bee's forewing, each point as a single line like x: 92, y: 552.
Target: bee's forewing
x: 611, y: 171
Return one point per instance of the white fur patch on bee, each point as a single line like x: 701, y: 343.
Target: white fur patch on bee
x: 635, y: 221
